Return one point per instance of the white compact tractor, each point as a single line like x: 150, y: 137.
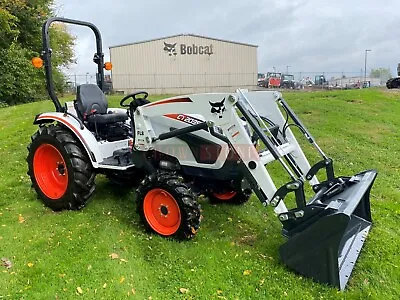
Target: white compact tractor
x: 217, y: 145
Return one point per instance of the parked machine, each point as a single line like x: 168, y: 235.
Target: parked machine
x: 320, y: 80
x: 261, y: 79
x: 270, y: 80
x: 394, y: 83
x: 178, y: 148
x: 287, y: 81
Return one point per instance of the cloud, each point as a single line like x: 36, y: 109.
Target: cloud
x: 308, y: 35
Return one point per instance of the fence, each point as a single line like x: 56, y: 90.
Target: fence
x: 342, y: 79
x: 200, y: 83
x: 171, y: 83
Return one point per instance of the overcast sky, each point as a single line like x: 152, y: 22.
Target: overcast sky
x: 307, y: 35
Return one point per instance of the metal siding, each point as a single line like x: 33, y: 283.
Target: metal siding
x: 147, y: 66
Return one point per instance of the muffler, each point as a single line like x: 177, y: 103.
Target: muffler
x: 325, y: 237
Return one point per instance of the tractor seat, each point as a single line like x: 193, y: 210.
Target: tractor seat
x: 92, y: 106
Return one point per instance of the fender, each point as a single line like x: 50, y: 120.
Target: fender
x: 84, y: 135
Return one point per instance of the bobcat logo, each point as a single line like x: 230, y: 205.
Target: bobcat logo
x: 170, y: 49
x: 218, y: 108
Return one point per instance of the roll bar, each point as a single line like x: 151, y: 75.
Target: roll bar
x: 46, y: 56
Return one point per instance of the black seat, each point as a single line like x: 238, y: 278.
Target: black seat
x: 92, y: 106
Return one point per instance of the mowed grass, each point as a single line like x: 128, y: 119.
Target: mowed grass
x: 102, y: 251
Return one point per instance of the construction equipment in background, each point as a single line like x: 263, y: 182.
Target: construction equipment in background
x: 261, y: 79
x: 394, y: 83
x: 178, y: 148
x: 270, y: 80
x: 320, y: 81
x: 287, y: 81
x: 274, y: 79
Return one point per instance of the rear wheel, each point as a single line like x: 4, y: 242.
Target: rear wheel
x: 167, y: 206
x: 59, y: 168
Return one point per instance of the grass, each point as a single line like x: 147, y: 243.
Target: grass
x: 102, y: 251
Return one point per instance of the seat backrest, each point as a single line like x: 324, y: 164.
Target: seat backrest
x: 89, y: 97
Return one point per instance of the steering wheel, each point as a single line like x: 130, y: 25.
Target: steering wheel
x: 133, y: 96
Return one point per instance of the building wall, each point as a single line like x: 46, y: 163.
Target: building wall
x: 147, y: 66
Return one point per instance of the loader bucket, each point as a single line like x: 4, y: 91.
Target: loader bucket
x: 330, y: 241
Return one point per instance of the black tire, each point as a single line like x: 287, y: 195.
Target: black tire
x: 230, y: 197
x: 79, y: 183
x: 128, y: 179
x: 184, y: 202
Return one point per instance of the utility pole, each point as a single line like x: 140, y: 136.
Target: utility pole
x: 365, y: 67
x: 287, y: 69
x: 341, y: 83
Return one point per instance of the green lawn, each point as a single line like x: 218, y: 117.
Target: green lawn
x: 102, y: 251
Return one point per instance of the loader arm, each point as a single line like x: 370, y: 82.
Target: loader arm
x: 220, y: 110
x: 326, y: 232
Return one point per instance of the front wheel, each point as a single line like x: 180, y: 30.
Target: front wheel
x: 167, y: 206
x: 59, y: 168
x: 229, y: 196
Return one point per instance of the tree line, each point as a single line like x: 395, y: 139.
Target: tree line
x: 20, y: 40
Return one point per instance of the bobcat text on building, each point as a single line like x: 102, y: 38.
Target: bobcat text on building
x: 196, y: 50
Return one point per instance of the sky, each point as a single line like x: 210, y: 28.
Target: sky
x: 306, y: 35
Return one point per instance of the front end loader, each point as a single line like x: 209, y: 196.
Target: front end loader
x: 219, y: 145
x: 325, y: 233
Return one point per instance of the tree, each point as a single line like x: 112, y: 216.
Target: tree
x: 21, y: 82
x: 30, y: 15
x: 381, y: 73
x: 20, y: 40
x: 8, y: 28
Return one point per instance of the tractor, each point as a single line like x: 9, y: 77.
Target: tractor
x: 269, y: 80
x: 320, y: 81
x: 287, y: 81
x: 212, y: 144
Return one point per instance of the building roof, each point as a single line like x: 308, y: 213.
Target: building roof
x: 183, y: 34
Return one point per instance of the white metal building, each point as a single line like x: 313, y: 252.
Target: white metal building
x: 185, y: 63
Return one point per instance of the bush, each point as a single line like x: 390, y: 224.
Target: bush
x: 21, y: 82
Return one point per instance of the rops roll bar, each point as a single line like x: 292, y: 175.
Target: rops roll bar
x: 46, y: 56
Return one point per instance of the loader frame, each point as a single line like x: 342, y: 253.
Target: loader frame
x: 325, y: 233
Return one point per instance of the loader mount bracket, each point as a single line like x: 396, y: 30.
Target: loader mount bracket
x: 296, y: 186
x: 325, y: 163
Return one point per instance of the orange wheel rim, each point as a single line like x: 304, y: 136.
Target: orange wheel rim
x: 50, y: 171
x: 225, y: 196
x: 162, y: 211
